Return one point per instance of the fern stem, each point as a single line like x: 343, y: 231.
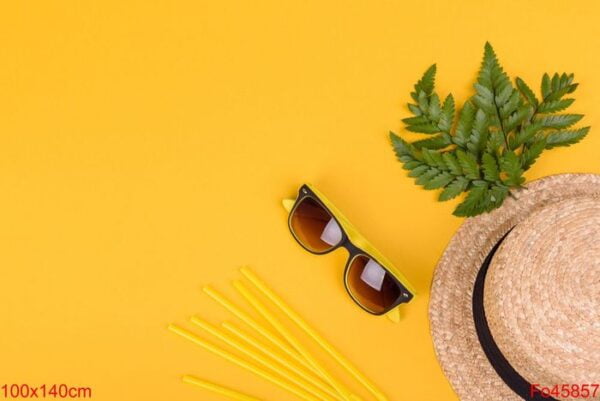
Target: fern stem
x: 500, y: 120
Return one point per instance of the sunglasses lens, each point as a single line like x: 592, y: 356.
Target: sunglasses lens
x: 314, y: 227
x: 371, y: 285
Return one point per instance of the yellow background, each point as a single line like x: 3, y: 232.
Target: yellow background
x: 145, y: 146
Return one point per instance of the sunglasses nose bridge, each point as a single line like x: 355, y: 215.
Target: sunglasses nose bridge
x: 350, y: 247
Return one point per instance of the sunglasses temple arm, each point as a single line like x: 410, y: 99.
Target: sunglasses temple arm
x: 394, y: 315
x: 288, y: 204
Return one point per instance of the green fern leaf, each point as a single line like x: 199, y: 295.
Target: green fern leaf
x: 439, y: 181
x: 423, y: 101
x: 511, y: 104
x: 496, y: 196
x: 468, y: 163
x: 426, y: 83
x: 455, y: 188
x: 411, y: 164
x: 473, y: 203
x: 565, y: 138
x: 501, y: 131
x: 556, y: 87
x: 423, y: 128
x: 447, y: 116
x: 435, y: 108
x: 491, y: 75
x: 517, y: 118
x: 526, y: 134
x: 415, y: 109
x: 495, y: 142
x: 510, y: 165
x: 552, y: 106
x: 507, y: 93
x: 546, y: 86
x: 561, y: 85
x: 416, y: 120
x: 559, y: 121
x: 401, y: 147
x: 465, y: 124
x: 490, y: 167
x: 433, y: 158
x: 418, y: 171
x: 527, y: 92
x: 407, y: 155
x: 556, y: 95
x: 555, y: 82
x: 427, y: 176
x: 532, y: 152
x: 435, y: 142
x: 484, y: 99
x: 452, y: 163
x: 479, y: 133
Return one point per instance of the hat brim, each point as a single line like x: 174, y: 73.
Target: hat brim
x: 455, y: 339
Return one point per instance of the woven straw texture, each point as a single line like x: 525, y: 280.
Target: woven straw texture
x: 541, y: 294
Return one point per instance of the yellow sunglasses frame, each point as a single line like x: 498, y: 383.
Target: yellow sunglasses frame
x: 358, y: 241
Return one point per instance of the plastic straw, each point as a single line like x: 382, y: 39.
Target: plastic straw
x: 246, y: 318
x: 215, y: 388
x: 282, y: 360
x: 309, y: 388
x: 267, y: 292
x: 260, y: 307
x: 240, y: 362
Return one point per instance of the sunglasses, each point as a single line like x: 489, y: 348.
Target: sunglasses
x: 370, y: 279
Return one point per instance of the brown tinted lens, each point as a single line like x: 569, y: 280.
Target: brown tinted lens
x: 314, y: 227
x: 371, y: 285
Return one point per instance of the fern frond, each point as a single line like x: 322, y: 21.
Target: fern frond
x: 440, y: 180
x: 468, y: 164
x: 479, y: 133
x: 526, y: 134
x: 465, y: 124
x: 490, y: 168
x: 452, y: 163
x: 455, y: 188
x: 565, y: 138
x: 499, y: 134
x: 510, y: 166
x: 532, y: 152
x: 553, y: 106
x: 447, y: 116
x: 439, y: 141
x: 559, y: 121
x: 474, y: 202
x: 426, y: 83
x: 527, y: 92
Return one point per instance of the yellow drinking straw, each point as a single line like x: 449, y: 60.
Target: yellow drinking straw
x: 215, y: 388
x: 267, y: 292
x: 281, y: 359
x: 246, y: 318
x: 260, y: 307
x: 309, y: 388
x: 240, y: 362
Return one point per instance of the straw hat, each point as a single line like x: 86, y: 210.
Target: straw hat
x: 515, y: 298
